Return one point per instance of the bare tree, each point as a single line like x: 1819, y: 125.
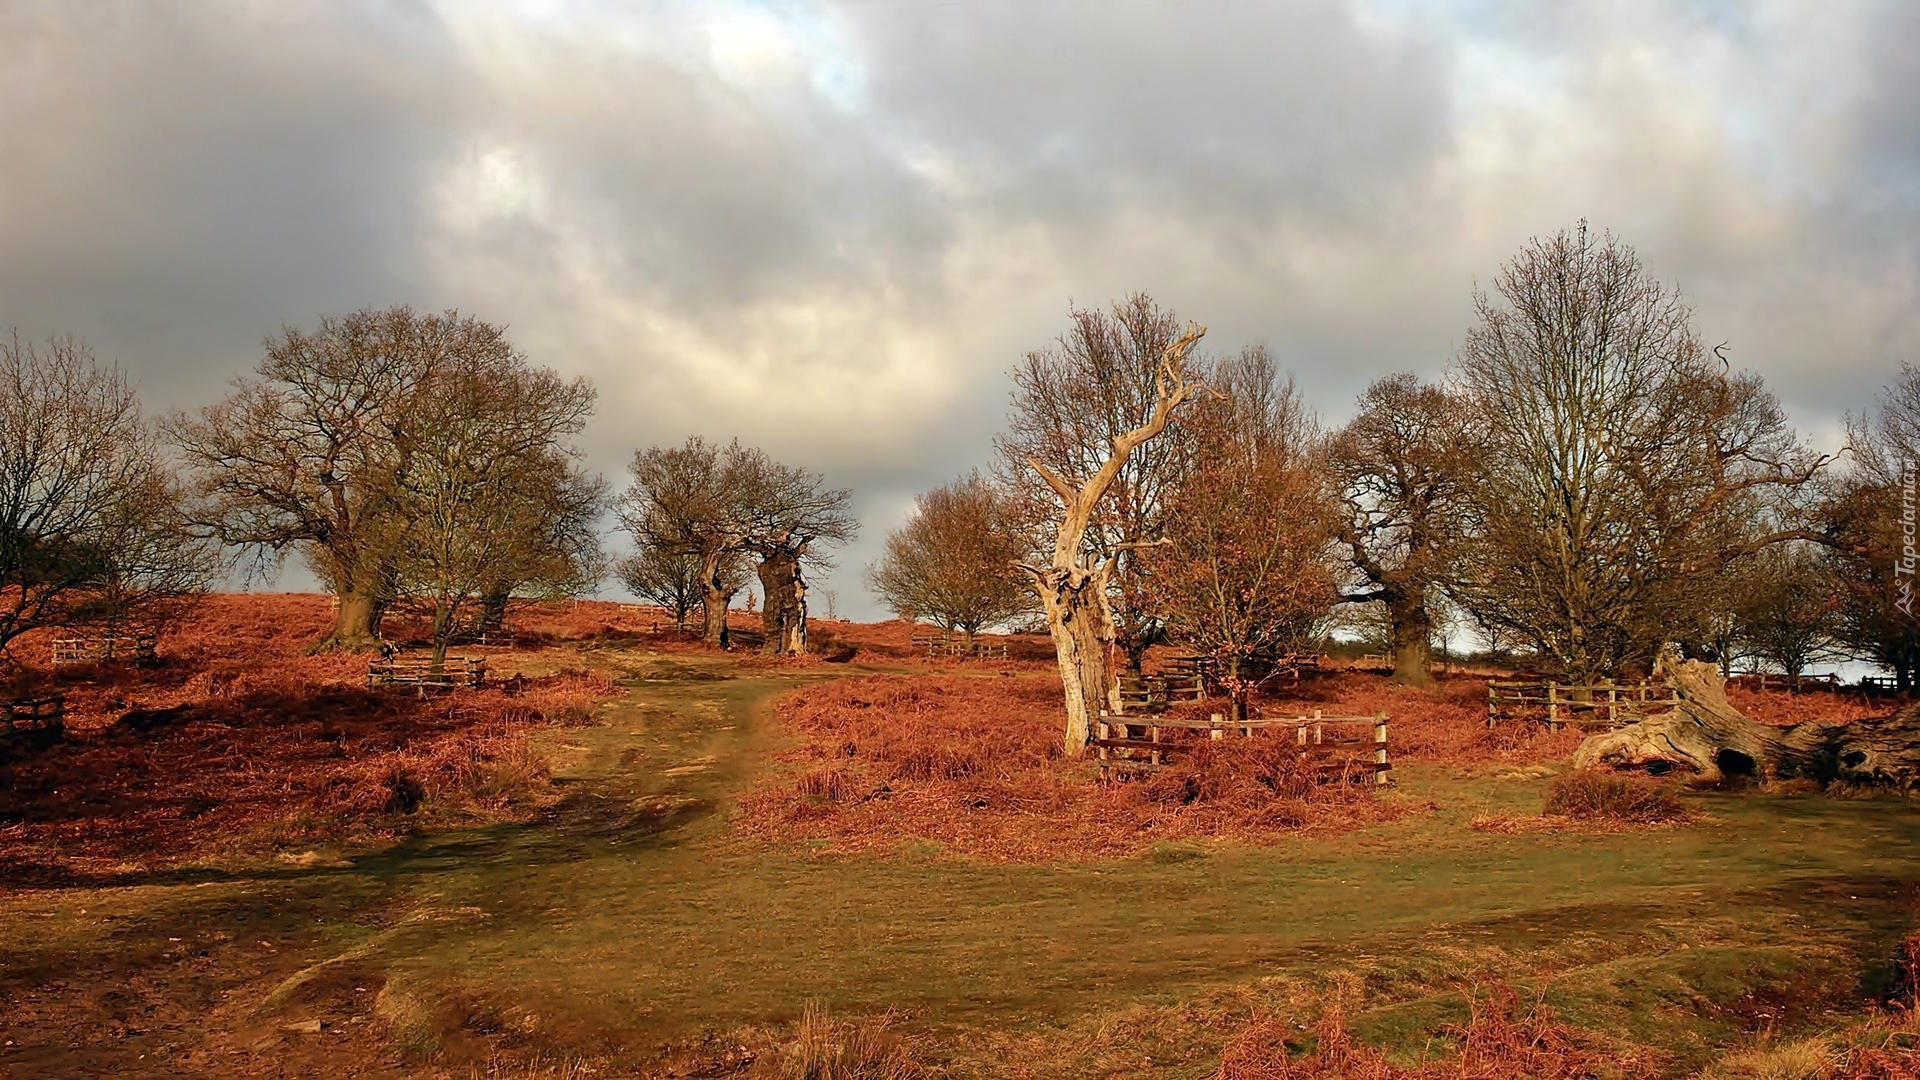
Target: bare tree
x: 716, y: 504
x: 682, y: 504
x: 1404, y: 466
x: 1868, y: 515
x: 305, y: 454
x: 671, y: 579
x: 91, y: 523
x: 1617, y: 461
x: 487, y: 490
x: 951, y: 562
x: 1245, y: 575
x: 1073, y: 586
x: 1100, y: 382
x: 784, y: 511
x: 1788, y: 608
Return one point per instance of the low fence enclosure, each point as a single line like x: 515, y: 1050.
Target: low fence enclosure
x: 106, y: 648
x: 34, y: 721
x: 937, y: 642
x: 418, y: 671
x: 1582, y: 705
x: 1351, y: 744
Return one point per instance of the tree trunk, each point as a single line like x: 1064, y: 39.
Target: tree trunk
x: 1708, y: 736
x: 714, y: 600
x: 1412, y: 641
x: 355, y: 624
x: 1075, y: 601
x: 785, y: 616
x: 493, y: 611
x: 442, y: 633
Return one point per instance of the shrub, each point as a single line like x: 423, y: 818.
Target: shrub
x: 1590, y: 794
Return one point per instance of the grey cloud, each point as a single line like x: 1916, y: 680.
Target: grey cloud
x: 840, y: 258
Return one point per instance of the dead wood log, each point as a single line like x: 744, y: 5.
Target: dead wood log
x: 1706, y: 735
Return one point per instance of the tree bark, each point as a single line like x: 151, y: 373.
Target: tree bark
x: 1707, y: 736
x: 785, y: 616
x: 355, y: 624
x: 714, y: 600
x: 1412, y: 641
x: 1075, y: 602
x: 493, y: 611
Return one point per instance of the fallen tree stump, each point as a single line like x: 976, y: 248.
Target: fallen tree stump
x: 1704, y: 734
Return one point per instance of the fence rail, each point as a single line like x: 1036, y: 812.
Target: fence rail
x: 418, y: 671
x: 33, y: 721
x: 945, y: 644
x: 106, y: 648
x: 1336, y: 743
x: 1584, y: 705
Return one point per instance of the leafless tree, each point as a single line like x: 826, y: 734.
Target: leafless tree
x: 1787, y: 608
x: 671, y: 579
x: 1868, y: 515
x: 952, y: 561
x: 1074, y: 585
x: 1245, y: 575
x: 719, y: 504
x: 681, y: 505
x: 1617, y: 460
x: 304, y: 455
x: 487, y: 489
x: 91, y: 522
x: 784, y: 512
x: 1100, y: 382
x: 1403, y: 466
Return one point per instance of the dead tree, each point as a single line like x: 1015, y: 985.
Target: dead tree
x: 1705, y: 735
x: 1073, y: 587
x: 784, y: 619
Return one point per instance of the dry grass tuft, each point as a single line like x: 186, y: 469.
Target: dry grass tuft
x: 1594, y: 795
x: 827, y: 1049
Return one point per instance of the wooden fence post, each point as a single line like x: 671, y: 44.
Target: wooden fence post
x: 1380, y: 750
x: 1214, y: 732
x: 1553, y: 706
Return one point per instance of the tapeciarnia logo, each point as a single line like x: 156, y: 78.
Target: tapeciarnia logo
x: 1903, y: 567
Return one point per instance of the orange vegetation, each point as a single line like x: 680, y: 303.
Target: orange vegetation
x: 237, y: 735
x: 974, y: 763
x: 1500, y: 1041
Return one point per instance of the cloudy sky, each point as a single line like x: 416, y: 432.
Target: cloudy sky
x: 830, y: 229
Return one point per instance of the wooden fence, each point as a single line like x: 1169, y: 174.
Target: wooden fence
x: 1761, y: 680
x: 34, y: 721
x: 138, y: 647
x: 1590, y: 705
x: 940, y: 643
x: 1338, y: 743
x: 418, y: 671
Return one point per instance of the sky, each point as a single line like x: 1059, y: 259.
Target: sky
x: 831, y: 229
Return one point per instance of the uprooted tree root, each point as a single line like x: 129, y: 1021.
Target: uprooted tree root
x: 1707, y: 737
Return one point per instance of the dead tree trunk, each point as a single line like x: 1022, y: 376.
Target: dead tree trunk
x: 715, y: 597
x: 1073, y: 592
x: 1706, y: 735
x: 785, y: 616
